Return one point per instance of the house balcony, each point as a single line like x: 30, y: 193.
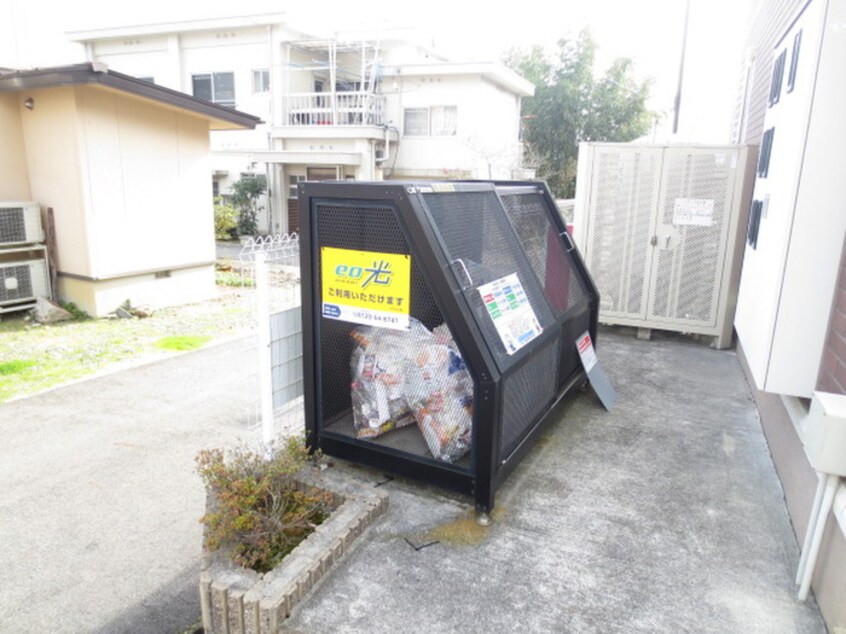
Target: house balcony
x: 333, y: 108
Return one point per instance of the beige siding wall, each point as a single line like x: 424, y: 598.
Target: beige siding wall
x: 52, y: 145
x: 770, y: 20
x: 128, y: 180
x: 832, y: 376
x: 14, y: 178
x: 149, y: 192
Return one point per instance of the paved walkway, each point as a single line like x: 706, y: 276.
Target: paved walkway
x: 99, y: 502
x: 231, y: 250
x: 664, y: 515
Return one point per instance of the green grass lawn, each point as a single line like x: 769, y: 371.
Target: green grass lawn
x: 181, y: 342
x: 36, y: 357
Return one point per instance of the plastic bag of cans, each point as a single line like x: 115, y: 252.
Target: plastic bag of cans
x: 400, y: 377
x: 378, y: 365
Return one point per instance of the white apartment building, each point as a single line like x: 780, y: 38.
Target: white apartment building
x: 363, y: 108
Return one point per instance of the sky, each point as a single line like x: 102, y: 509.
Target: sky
x: 648, y: 31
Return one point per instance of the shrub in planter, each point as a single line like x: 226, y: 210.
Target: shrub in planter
x: 239, y: 600
x: 259, y: 514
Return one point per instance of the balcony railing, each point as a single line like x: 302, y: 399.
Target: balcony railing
x: 339, y: 108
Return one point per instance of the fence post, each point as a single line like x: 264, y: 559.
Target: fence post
x: 265, y: 376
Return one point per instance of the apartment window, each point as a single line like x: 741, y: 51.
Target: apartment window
x: 778, y: 77
x: 765, y: 153
x: 433, y: 121
x: 261, y: 80
x: 218, y: 88
x: 444, y: 120
x: 754, y: 223
x: 347, y: 86
x: 321, y: 173
x: 794, y: 61
x: 416, y: 122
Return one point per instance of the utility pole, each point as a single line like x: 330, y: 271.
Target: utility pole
x: 681, y: 69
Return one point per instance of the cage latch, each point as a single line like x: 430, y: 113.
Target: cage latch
x: 466, y: 274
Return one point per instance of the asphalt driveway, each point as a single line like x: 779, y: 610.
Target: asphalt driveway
x: 99, y: 504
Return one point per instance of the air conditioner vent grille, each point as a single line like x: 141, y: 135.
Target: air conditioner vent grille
x: 12, y: 225
x: 23, y: 281
x: 20, y: 223
x: 15, y: 283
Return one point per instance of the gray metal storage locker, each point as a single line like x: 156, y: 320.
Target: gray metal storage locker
x: 662, y: 228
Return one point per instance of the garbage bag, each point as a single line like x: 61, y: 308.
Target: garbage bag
x: 402, y: 377
x: 439, y: 390
x: 378, y: 365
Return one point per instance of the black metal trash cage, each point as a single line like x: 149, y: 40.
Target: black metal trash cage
x: 439, y: 325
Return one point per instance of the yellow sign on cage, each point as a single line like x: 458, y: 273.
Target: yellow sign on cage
x: 366, y: 287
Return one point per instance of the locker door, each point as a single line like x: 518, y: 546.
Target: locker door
x: 626, y: 183
x: 689, y: 242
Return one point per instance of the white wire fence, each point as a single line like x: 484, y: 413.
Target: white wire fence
x: 271, y: 266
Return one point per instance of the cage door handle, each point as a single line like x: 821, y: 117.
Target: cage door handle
x: 466, y: 273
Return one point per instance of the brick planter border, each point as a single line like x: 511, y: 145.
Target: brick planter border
x: 237, y: 600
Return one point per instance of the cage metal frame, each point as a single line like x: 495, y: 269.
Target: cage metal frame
x: 488, y: 469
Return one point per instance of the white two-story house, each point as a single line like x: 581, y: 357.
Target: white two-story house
x: 338, y: 107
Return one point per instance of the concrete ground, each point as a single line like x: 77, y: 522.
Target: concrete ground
x: 664, y: 515
x: 230, y: 249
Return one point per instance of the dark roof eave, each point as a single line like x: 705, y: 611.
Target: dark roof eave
x: 97, y: 74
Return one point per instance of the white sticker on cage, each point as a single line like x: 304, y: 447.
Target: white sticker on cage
x: 694, y: 211
x: 511, y: 312
x: 587, y: 353
x: 596, y: 375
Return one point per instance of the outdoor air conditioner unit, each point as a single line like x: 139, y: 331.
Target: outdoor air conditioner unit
x: 20, y: 223
x: 23, y: 281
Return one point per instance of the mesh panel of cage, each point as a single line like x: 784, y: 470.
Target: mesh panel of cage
x: 439, y: 325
